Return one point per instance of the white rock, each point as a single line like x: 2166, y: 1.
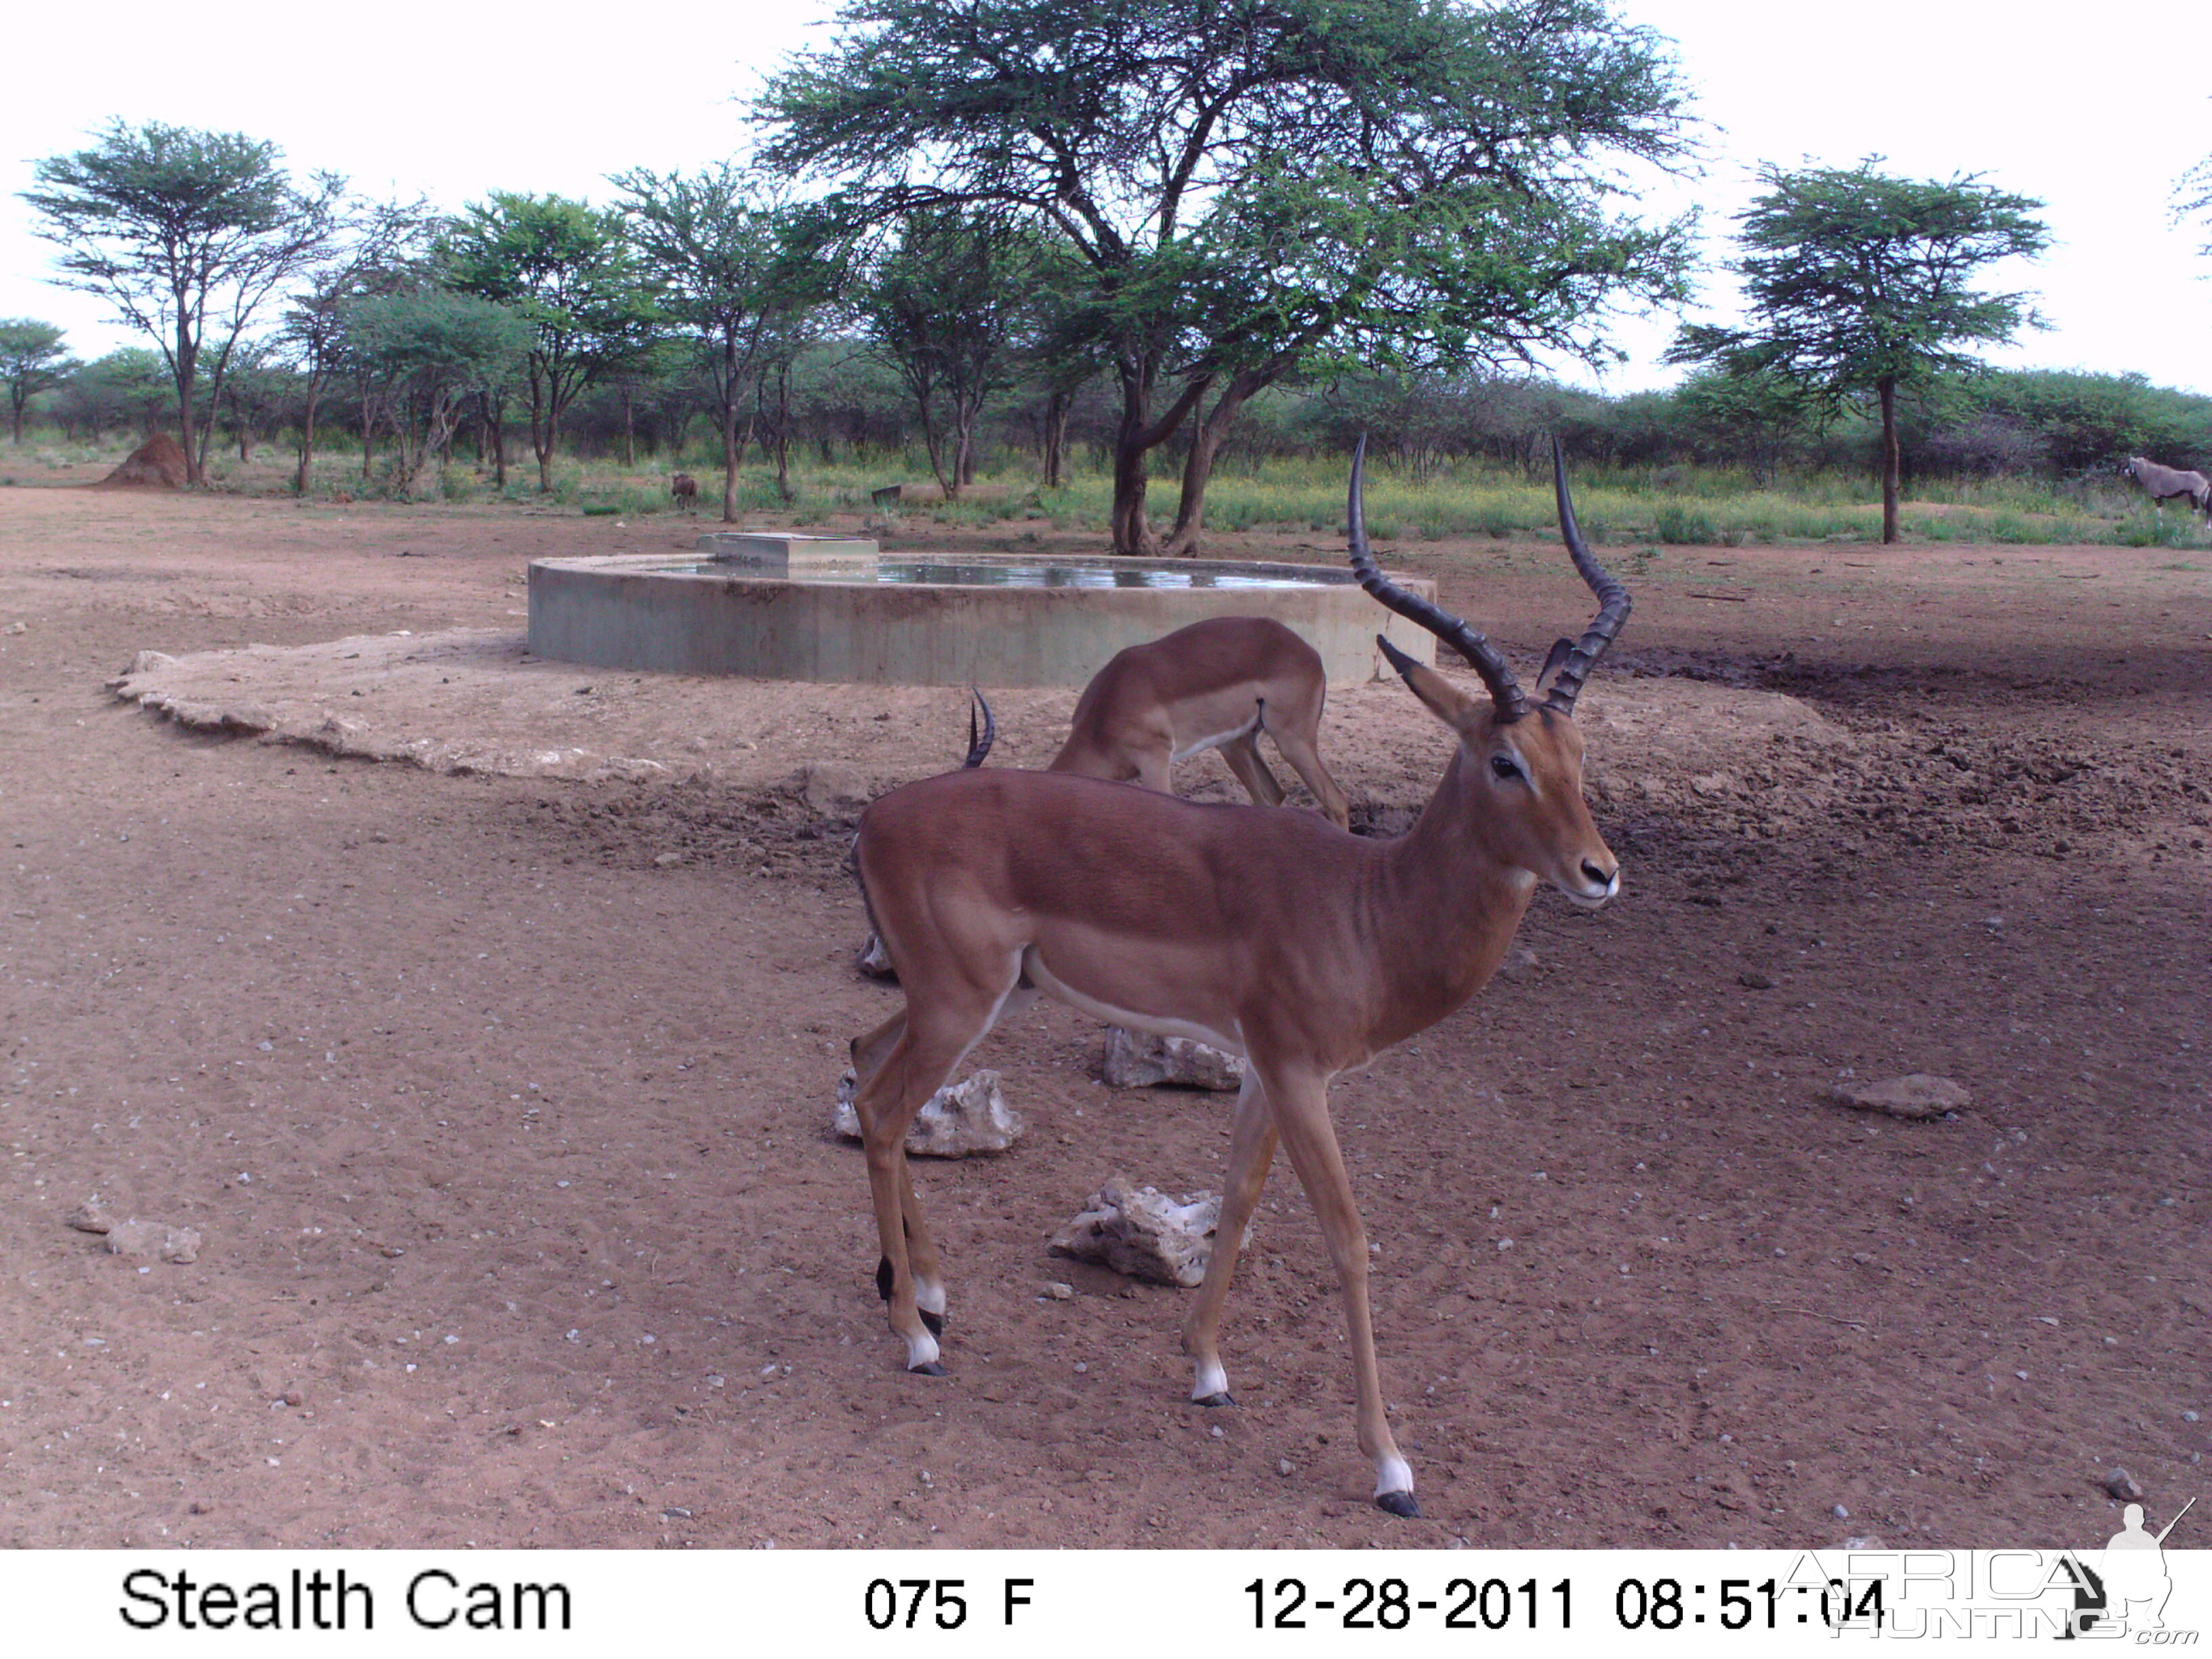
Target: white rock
x: 178, y: 1244
x: 970, y: 1116
x: 1915, y: 1094
x: 1141, y: 1232
x: 876, y: 962
x: 1141, y: 1060
x: 1519, y: 962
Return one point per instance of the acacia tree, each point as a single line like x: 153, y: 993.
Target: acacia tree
x: 734, y: 264
x: 1247, y: 184
x: 567, y: 269
x: 130, y: 387
x: 430, y: 354
x: 2192, y: 196
x: 187, y: 235
x: 1756, y: 415
x: 381, y: 249
x: 1857, y: 285
x: 947, y: 306
x: 32, y: 361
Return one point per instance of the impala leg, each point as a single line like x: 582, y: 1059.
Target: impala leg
x: 914, y: 1069
x: 869, y: 1052
x: 1302, y: 1117
x: 1251, y: 1149
x: 1298, y: 749
x: 1243, y: 754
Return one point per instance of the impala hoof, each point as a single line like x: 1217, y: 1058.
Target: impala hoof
x: 1213, y: 1400
x: 933, y: 1321
x: 931, y: 1368
x: 1400, y: 1503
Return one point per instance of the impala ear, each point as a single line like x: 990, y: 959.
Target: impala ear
x: 1442, y: 699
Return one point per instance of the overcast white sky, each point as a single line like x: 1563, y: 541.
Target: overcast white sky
x: 454, y: 100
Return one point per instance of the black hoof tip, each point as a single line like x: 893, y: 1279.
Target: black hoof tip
x: 934, y: 1323
x: 932, y: 1369
x: 883, y: 1278
x: 1212, y: 1399
x: 1400, y: 1503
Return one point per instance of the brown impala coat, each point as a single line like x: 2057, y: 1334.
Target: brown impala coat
x: 1216, y: 684
x: 1275, y: 935
x: 1173, y: 915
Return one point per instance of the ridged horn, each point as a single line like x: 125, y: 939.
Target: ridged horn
x: 1504, y: 691
x: 979, y: 746
x: 1612, y: 601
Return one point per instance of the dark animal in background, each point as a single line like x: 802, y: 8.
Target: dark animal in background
x: 685, y: 488
x: 2166, y: 483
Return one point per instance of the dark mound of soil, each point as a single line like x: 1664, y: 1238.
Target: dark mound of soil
x: 157, y: 463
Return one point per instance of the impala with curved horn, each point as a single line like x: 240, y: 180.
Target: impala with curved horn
x: 1274, y: 935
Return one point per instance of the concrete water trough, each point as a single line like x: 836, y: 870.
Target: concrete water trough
x: 834, y: 610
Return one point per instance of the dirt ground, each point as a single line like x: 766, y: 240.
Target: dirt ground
x: 500, y: 1101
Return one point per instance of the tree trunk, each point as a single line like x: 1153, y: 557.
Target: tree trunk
x: 303, y: 479
x: 783, y: 433
x: 935, y: 445
x: 1889, y: 460
x: 185, y: 366
x: 729, y: 444
x: 629, y: 430
x: 495, y: 418
x: 17, y: 396
x: 1206, y: 438
x: 1055, y: 439
x: 1131, y: 533
x: 541, y: 433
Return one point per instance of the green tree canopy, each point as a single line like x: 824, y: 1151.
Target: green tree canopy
x: 381, y: 248
x: 734, y: 264
x: 431, y: 351
x: 569, y: 271
x: 186, y: 233
x: 1249, y: 184
x: 948, y: 307
x: 32, y: 360
x: 1858, y: 285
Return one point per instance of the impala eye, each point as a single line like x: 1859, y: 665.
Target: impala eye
x: 1505, y: 767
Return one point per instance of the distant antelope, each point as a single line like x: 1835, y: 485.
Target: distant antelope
x: 2166, y: 483
x: 685, y: 489
x: 1215, y: 684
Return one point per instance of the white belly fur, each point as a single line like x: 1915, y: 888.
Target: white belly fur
x: 1041, y: 976
x: 1200, y: 745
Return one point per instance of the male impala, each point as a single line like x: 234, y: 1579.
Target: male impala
x: 1274, y: 935
x: 1217, y: 683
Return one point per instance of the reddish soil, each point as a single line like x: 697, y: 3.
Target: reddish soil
x: 500, y: 1102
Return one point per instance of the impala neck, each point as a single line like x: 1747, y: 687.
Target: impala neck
x: 1448, y: 909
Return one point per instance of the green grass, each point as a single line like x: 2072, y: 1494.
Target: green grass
x: 1675, y: 506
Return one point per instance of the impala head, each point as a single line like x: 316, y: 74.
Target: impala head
x: 1519, y: 771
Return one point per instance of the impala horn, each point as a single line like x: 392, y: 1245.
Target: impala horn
x: 1504, y: 691
x: 1612, y: 600
x: 979, y: 745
